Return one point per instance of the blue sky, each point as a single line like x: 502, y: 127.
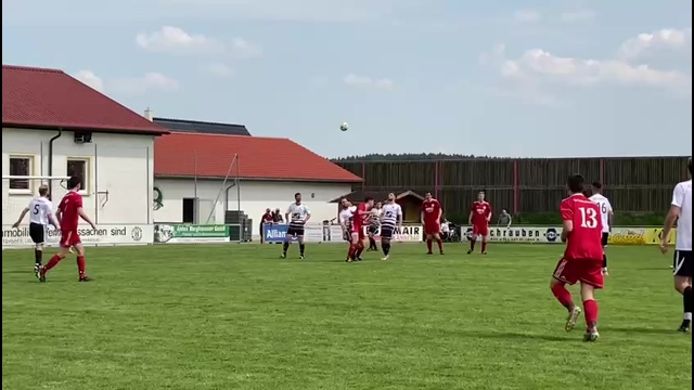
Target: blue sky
x: 502, y: 78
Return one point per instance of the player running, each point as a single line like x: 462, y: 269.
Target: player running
x: 431, y: 219
x: 681, y: 211
x: 480, y: 215
x: 69, y: 212
x: 359, y: 221
x: 346, y: 217
x: 606, y: 215
x: 391, y: 219
x: 297, y: 215
x: 582, y: 259
x: 41, y: 216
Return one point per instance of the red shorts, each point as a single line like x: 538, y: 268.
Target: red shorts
x: 358, y: 230
x: 480, y: 230
x: 69, y: 239
x: 431, y: 228
x: 586, y: 271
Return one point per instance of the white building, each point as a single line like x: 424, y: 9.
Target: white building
x: 53, y: 125
x: 190, y: 168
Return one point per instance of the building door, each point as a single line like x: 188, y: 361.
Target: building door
x: 189, y: 210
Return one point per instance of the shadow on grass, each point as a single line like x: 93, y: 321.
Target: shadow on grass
x: 641, y: 330
x: 518, y: 336
x: 18, y: 272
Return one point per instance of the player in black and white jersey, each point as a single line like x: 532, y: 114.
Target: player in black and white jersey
x: 391, y: 221
x: 681, y: 211
x: 297, y: 215
x: 374, y: 225
x: 607, y: 216
x: 345, y: 217
x: 40, y: 211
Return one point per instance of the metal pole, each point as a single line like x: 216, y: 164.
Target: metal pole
x: 96, y: 185
x: 150, y: 189
x: 238, y: 184
x: 224, y: 183
x: 195, y: 174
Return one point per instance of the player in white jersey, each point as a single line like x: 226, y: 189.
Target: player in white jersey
x: 391, y: 219
x: 297, y: 215
x: 374, y: 225
x: 345, y: 217
x: 41, y: 215
x: 607, y: 216
x: 681, y: 210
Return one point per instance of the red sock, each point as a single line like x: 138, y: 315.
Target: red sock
x: 484, y: 246
x: 563, y: 296
x: 81, y: 265
x: 350, y: 251
x: 359, y: 250
x: 440, y: 244
x: 429, y: 245
x: 590, y: 307
x: 52, y: 262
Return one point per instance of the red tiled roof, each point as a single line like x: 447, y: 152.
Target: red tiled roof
x: 210, y: 155
x: 51, y: 99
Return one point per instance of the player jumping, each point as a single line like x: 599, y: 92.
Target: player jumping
x: 41, y: 215
x: 681, y: 211
x: 297, y: 215
x: 391, y: 218
x: 346, y: 217
x: 431, y: 219
x: 359, y: 221
x: 69, y: 212
x: 374, y: 225
x: 607, y: 216
x: 582, y: 259
x: 480, y: 215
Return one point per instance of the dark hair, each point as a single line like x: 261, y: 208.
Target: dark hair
x: 368, y: 199
x: 297, y: 194
x: 575, y: 183
x: 597, y: 185
x: 689, y: 165
x: 73, y: 182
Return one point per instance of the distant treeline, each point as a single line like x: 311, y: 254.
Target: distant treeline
x: 412, y: 157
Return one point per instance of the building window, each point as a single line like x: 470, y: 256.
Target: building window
x: 20, y: 166
x: 79, y: 167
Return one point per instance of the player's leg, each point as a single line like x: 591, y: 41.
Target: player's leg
x: 561, y: 276
x: 385, y: 246
x: 81, y: 263
x: 287, y: 240
x: 605, y: 238
x: 473, y: 240
x: 37, y: 234
x: 302, y: 246
x: 590, y: 307
x: 64, y: 250
x: 683, y: 285
x: 353, y: 246
x: 439, y: 242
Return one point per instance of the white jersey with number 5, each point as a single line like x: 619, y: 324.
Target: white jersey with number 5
x: 682, y: 198
x: 39, y: 210
x: 605, y: 210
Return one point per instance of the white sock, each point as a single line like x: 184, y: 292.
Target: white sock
x: 688, y: 316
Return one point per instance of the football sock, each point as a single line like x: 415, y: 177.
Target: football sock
x: 52, y: 262
x: 386, y: 248
x: 38, y: 255
x: 372, y: 243
x: 687, y: 298
x: 590, y: 307
x: 350, y: 252
x: 360, y: 249
x: 302, y: 248
x: 563, y: 296
x: 440, y: 244
x: 484, y: 246
x: 285, y: 246
x: 429, y: 245
x: 604, y: 261
x: 472, y: 244
x: 81, y: 265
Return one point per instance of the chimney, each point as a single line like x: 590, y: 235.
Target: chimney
x: 148, y: 114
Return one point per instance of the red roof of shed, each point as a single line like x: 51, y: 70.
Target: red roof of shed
x: 210, y: 155
x: 50, y: 99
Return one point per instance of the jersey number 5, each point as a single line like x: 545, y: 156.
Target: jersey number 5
x: 589, y: 218
x: 36, y: 209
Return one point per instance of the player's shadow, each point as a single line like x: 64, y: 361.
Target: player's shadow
x: 17, y: 272
x: 639, y: 330
x: 519, y: 336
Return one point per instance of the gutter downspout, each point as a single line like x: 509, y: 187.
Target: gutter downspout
x: 50, y: 160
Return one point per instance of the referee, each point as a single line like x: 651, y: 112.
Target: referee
x: 41, y: 214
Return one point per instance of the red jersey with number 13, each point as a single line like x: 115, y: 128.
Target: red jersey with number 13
x: 431, y: 209
x: 68, y: 206
x: 584, y: 242
x: 480, y: 213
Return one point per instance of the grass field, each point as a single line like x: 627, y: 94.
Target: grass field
x: 237, y: 317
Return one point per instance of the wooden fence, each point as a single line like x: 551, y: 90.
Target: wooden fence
x: 638, y: 184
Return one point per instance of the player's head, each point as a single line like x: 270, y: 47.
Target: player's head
x: 597, y: 187
x: 43, y: 190
x: 74, y: 183
x: 481, y: 195
x: 427, y: 196
x: 391, y: 197
x: 297, y: 197
x: 575, y: 184
x: 267, y: 210
x: 689, y: 165
x: 345, y: 203
x: 379, y: 205
x: 504, y: 211
x: 369, y: 201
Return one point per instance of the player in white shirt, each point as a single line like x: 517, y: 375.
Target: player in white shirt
x: 41, y: 215
x: 681, y: 211
x: 607, y: 216
x: 374, y: 225
x: 297, y: 216
x: 391, y: 221
x: 346, y: 217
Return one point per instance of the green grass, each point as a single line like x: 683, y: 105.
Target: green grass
x: 237, y: 317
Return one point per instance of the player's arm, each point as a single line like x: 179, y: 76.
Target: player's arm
x: 670, y: 219
x: 399, y: 220
x: 51, y: 216
x: 510, y: 220
x: 85, y: 217
x: 469, y: 218
x: 438, y: 218
x: 308, y: 215
x: 610, y: 215
x: 567, y: 214
x: 59, y: 215
x: 489, y: 213
x: 421, y: 217
x: 21, y: 217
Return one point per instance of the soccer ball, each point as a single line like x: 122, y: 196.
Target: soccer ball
x: 344, y: 126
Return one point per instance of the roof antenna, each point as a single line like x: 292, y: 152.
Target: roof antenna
x: 148, y: 114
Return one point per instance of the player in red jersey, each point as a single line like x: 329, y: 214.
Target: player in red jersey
x: 360, y: 220
x: 69, y: 212
x: 480, y: 215
x: 582, y: 259
x: 431, y: 219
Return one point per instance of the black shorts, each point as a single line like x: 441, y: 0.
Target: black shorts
x: 682, y: 263
x: 295, y: 231
x: 37, y: 232
x: 387, y: 231
x: 605, y: 237
x: 373, y: 229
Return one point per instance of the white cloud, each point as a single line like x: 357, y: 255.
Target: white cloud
x: 150, y: 82
x: 175, y: 40
x: 218, y: 69
x: 648, y: 43
x: 241, y: 48
x: 527, y: 16
x: 354, y: 80
x: 89, y: 78
x: 575, y: 16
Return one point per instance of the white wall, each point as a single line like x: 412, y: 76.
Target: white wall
x: 256, y: 196
x: 121, y: 164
